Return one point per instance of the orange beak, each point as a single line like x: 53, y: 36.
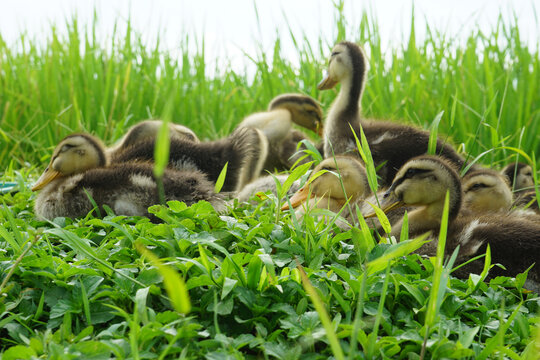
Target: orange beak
x: 48, y: 175
x: 327, y: 83
x: 298, y: 198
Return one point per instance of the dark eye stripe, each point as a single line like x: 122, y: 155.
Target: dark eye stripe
x: 477, y: 186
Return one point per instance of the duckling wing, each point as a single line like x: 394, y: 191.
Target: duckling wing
x: 395, y: 144
x: 237, y: 151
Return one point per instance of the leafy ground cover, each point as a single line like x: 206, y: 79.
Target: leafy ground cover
x: 260, y: 284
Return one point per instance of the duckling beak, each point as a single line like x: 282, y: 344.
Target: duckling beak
x: 298, y: 198
x: 327, y: 83
x: 45, y: 178
x: 320, y: 129
x: 386, y: 208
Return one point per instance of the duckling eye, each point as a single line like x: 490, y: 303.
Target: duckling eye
x: 335, y: 53
x: 478, y: 186
x: 66, y: 147
x: 410, y: 173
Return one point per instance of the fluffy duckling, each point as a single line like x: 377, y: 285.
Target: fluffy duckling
x: 77, y: 175
x: 148, y: 129
x: 331, y: 184
x: 527, y: 200
x: 276, y: 123
x: 345, y: 178
x: 391, y: 144
x: 486, y: 191
x: 424, y: 181
x: 519, y: 175
x: 244, y: 152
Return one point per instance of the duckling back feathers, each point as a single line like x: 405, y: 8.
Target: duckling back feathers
x: 241, y: 151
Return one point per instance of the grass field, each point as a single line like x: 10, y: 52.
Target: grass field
x: 259, y: 284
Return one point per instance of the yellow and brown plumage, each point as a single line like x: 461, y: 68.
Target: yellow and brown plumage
x: 277, y: 125
x: 149, y: 129
x: 78, y: 175
x: 244, y: 152
x: 485, y: 191
x: 391, y: 144
x: 515, y: 242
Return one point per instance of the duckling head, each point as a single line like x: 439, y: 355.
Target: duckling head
x: 76, y: 153
x: 519, y: 174
x: 305, y: 111
x: 486, y: 191
x: 347, y: 62
x: 335, y: 179
x: 424, y: 181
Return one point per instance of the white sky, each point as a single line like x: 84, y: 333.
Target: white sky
x: 230, y: 27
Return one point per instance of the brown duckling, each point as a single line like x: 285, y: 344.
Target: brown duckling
x: 391, y: 144
x: 332, y: 183
x: 345, y: 178
x: 78, y: 174
x: 148, y: 129
x: 277, y: 124
x: 485, y: 191
x: 244, y: 152
x: 519, y: 175
x: 424, y: 181
x: 527, y: 200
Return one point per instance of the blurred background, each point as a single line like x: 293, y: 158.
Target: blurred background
x: 233, y: 28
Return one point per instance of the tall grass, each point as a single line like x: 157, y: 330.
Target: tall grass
x: 487, y: 87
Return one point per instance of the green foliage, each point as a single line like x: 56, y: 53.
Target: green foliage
x: 83, y: 290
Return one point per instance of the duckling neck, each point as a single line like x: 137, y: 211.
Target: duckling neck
x: 344, y: 113
x: 428, y: 217
x: 347, y: 105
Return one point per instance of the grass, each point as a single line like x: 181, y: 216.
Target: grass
x: 259, y: 283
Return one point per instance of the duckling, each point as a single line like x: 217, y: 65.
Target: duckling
x: 78, y: 174
x: 520, y: 176
x: 424, y: 181
x: 486, y: 191
x: 527, y: 200
x: 244, y: 152
x: 344, y: 178
x: 391, y: 144
x: 148, y: 129
x: 276, y: 124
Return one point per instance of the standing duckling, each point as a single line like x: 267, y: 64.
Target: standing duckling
x: 391, y: 144
x: 78, y: 174
x: 276, y: 124
x: 515, y: 242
